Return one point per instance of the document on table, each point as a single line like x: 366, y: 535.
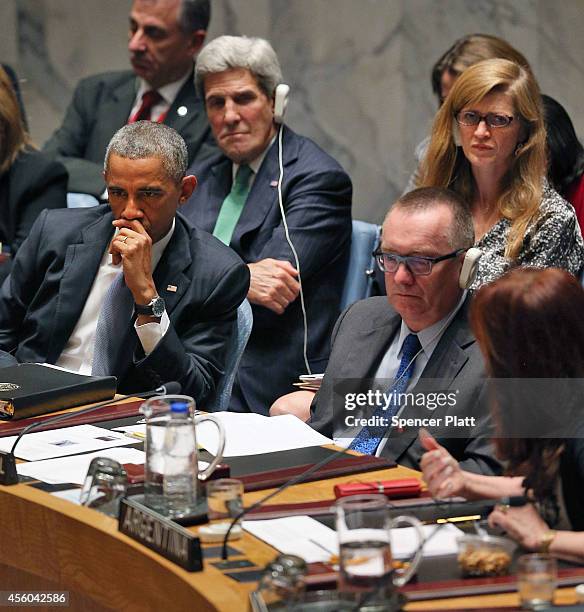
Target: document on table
x: 297, y: 535
x: 65, y: 441
x: 314, y: 542
x: 253, y: 434
x: 74, y: 469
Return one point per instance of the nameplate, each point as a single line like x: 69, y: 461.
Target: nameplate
x: 160, y: 534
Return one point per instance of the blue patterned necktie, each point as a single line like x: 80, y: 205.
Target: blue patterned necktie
x: 232, y: 206
x: 112, y: 325
x: 368, y: 439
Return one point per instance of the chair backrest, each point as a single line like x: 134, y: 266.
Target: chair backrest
x: 237, y: 344
x: 359, y: 280
x: 81, y: 200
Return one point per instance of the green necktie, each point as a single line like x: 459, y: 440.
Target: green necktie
x: 233, y: 205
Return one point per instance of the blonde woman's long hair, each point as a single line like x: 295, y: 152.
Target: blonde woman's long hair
x: 446, y: 166
x: 13, y: 136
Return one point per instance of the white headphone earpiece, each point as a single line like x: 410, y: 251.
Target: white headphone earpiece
x: 470, y: 267
x: 280, y: 102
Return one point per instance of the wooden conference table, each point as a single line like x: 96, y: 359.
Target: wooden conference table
x: 50, y: 544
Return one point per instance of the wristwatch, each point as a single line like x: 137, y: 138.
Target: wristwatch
x: 155, y: 308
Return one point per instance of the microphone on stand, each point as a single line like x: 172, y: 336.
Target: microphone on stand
x: 8, y: 473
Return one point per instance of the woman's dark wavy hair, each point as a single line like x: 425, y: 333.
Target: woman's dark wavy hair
x: 565, y: 151
x: 530, y: 324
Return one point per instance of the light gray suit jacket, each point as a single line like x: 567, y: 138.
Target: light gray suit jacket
x: 360, y: 339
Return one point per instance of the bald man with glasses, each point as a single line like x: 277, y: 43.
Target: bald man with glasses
x: 412, y: 362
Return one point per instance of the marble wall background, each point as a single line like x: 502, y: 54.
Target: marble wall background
x: 359, y: 69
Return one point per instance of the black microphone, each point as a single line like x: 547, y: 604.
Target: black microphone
x: 8, y: 473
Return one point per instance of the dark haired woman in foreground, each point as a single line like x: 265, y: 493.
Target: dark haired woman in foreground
x: 529, y: 325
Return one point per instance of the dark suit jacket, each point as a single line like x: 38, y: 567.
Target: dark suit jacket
x: 361, y: 337
x: 317, y: 199
x: 100, y: 107
x: 41, y: 301
x: 32, y: 183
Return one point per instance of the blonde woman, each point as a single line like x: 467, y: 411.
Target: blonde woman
x: 29, y: 181
x: 488, y: 144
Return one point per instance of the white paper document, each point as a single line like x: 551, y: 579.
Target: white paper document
x: 441, y: 542
x: 65, y: 441
x: 70, y: 495
x: 74, y: 469
x: 253, y: 434
x: 314, y: 542
x: 297, y: 535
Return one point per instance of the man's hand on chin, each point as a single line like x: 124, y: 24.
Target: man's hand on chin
x: 273, y: 284
x: 132, y: 246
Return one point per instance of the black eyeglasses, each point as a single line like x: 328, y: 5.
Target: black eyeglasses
x: 416, y: 264
x: 494, y: 120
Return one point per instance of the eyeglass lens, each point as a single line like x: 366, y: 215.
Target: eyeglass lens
x: 493, y: 120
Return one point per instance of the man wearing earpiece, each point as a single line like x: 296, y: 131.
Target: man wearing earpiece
x: 419, y: 345
x: 238, y: 201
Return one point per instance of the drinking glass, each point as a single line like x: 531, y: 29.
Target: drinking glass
x: 224, y: 497
x: 536, y: 581
x: 363, y: 526
x: 105, y: 485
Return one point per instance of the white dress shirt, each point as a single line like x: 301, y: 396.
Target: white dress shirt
x: 255, y: 164
x: 168, y: 93
x: 78, y: 352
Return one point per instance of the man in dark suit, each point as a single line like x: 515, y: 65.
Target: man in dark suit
x: 164, y: 37
x: 238, y: 202
x: 130, y: 289
x: 419, y: 345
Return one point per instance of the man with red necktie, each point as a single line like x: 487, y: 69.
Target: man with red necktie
x: 164, y: 38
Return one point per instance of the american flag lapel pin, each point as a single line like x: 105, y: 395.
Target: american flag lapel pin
x: 172, y: 288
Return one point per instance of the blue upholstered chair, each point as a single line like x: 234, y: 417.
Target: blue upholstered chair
x: 80, y: 200
x: 222, y: 396
x: 359, y: 281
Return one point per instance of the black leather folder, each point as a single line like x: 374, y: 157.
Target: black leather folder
x: 30, y: 389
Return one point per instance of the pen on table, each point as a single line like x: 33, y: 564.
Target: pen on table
x: 321, y: 546
x: 136, y: 434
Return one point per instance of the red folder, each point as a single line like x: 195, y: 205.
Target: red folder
x: 393, y: 489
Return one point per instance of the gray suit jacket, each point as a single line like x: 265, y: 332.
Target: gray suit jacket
x: 99, y: 108
x: 360, y: 339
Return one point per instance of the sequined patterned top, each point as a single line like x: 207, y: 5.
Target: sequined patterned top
x: 551, y: 240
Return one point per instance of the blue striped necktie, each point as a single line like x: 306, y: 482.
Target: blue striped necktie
x: 112, y: 324
x: 368, y: 439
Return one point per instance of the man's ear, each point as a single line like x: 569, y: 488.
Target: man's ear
x: 197, y: 40
x: 188, y: 185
